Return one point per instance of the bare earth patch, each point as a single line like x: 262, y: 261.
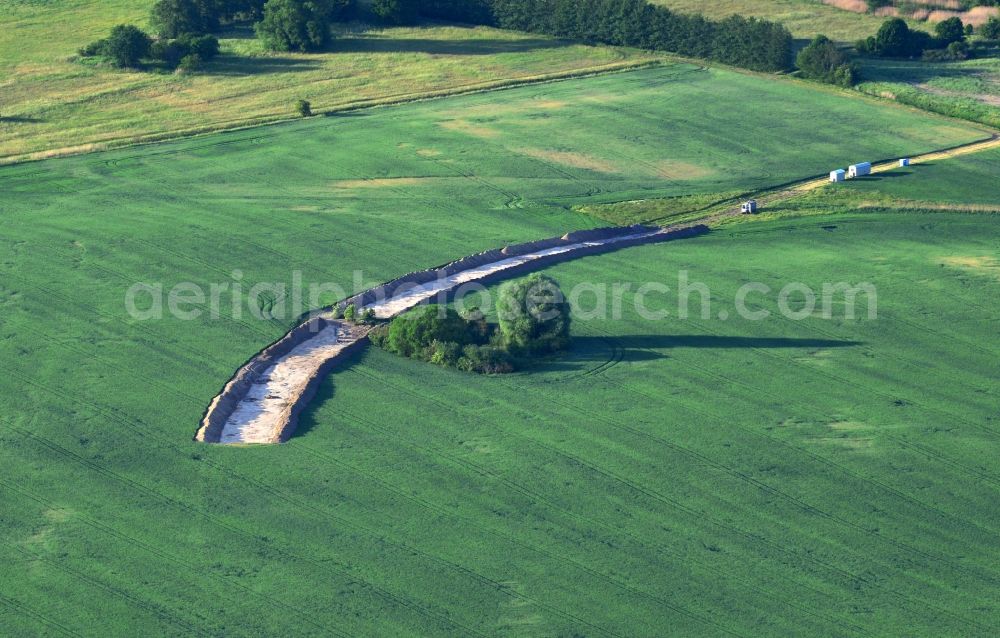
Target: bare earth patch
x: 572, y: 159
x: 982, y: 265
x: 475, y: 130
x: 847, y: 425
x: 518, y: 107
x: 385, y: 182
x: 676, y: 169
x: 595, y: 97
x: 857, y: 6
x: 846, y: 442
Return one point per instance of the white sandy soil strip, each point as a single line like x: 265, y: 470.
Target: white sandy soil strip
x: 404, y: 301
x: 259, y: 416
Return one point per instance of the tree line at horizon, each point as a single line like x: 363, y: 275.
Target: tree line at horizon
x: 750, y: 43
x: 182, y: 29
x: 304, y: 25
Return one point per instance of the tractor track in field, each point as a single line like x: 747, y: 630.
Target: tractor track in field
x: 542, y: 498
x: 324, y: 563
x: 770, y: 489
x: 667, y: 500
x: 149, y: 491
x: 902, y: 546
x: 34, y: 614
x: 302, y: 505
x: 727, y: 380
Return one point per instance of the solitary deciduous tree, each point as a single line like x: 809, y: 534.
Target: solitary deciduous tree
x: 991, y: 30
x: 126, y: 45
x: 171, y: 18
x: 295, y: 25
x: 893, y: 38
x: 950, y: 30
x: 396, y: 11
x: 534, y: 315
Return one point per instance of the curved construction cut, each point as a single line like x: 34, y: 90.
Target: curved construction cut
x: 262, y: 402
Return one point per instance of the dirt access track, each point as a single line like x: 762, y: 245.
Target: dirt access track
x: 796, y: 189
x: 262, y: 402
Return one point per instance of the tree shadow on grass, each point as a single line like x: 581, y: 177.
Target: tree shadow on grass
x: 346, y: 114
x: 238, y: 31
x: 20, y: 119
x: 609, y: 351
x: 885, y: 175
x: 654, y: 342
x: 910, y: 72
x: 374, y: 44
x: 240, y: 66
x: 326, y: 391
x: 585, y: 351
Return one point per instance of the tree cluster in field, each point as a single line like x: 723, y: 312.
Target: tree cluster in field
x: 534, y: 321
x: 300, y: 25
x: 182, y: 30
x: 127, y: 46
x: 759, y: 45
x: 304, y: 25
x: 895, y: 39
x: 824, y: 61
x: 991, y: 30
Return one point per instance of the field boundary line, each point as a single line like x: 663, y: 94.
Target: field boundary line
x: 243, y: 124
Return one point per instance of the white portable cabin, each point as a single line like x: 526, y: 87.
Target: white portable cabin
x: 838, y: 175
x: 859, y: 170
x: 749, y: 208
x: 904, y: 162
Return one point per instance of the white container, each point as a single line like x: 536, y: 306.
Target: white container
x: 859, y: 170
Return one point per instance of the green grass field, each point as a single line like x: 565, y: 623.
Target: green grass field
x: 768, y: 478
x: 967, y: 180
x: 51, y: 103
x: 754, y: 478
x: 964, y: 183
x: 969, y: 90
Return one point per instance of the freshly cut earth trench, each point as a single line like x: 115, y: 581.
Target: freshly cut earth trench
x: 265, y: 404
x: 405, y: 300
x: 262, y: 414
